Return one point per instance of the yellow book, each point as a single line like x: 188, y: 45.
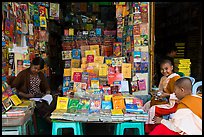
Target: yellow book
x: 99, y: 59
x: 95, y: 67
x: 67, y: 72
x: 71, y: 32
x: 108, y: 97
x: 90, y: 52
x: 108, y: 61
x: 83, y: 60
x: 96, y: 48
x: 75, y: 70
x: 16, y: 101
x: 94, y: 83
x: 62, y: 102
x: 116, y: 112
x: 83, y: 67
x: 126, y: 70
x: 103, y: 70
x: 75, y: 63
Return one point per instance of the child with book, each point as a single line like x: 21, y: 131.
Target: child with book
x: 31, y: 83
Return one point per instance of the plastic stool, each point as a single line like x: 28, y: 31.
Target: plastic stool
x: 120, y: 127
x: 77, y: 126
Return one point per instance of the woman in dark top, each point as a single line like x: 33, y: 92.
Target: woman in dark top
x: 31, y: 82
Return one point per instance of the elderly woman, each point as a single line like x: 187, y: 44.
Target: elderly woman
x: 30, y: 83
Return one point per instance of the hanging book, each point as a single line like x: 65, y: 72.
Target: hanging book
x: 117, y: 49
x: 66, y: 55
x: 142, y: 84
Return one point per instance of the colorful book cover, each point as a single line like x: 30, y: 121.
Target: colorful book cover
x: 19, y: 66
x: 77, y: 86
x: 67, y: 72
x: 95, y: 83
x: 144, y: 56
x: 66, y: 55
x: 142, y: 84
x: 126, y: 70
x: 16, y: 101
x: 116, y: 112
x: 76, y: 53
x: 144, y: 67
x: 96, y: 48
x: 108, y: 61
x: 144, y: 29
x: 111, y: 70
x: 83, y: 49
x: 99, y: 59
x: 95, y: 67
x: 131, y: 107
x: 106, y: 105
x: 83, y: 60
x: 84, y: 67
x: 54, y: 10
x: 66, y: 80
x: 103, y: 81
x: 137, y: 66
x: 43, y: 22
x: 90, y: 52
x: 77, y: 76
x: 74, y: 70
x: 118, y: 102
x: 90, y: 59
x: 95, y: 105
x: 118, y: 61
x: 84, y: 103
x: 138, y: 102
x: 137, y: 54
x: 62, y: 102
x: 118, y: 83
x: 67, y: 63
x: 103, y: 70
x: 7, y: 103
x: 85, y: 76
x: 73, y: 103
x: 75, y: 63
x: 83, y: 86
x: 111, y: 78
x: 117, y: 49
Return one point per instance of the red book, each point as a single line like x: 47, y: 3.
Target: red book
x: 77, y: 76
x: 90, y: 58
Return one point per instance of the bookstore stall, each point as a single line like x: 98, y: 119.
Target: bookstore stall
x: 106, y: 72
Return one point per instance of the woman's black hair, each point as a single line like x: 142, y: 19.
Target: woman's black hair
x: 38, y: 61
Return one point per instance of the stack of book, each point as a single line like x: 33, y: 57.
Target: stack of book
x: 117, y: 115
x: 183, y: 65
x: 17, y: 111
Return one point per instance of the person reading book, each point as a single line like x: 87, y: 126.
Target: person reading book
x: 31, y: 83
x: 187, y: 120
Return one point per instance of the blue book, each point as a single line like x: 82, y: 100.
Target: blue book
x: 76, y: 53
x: 106, y: 104
x: 131, y: 107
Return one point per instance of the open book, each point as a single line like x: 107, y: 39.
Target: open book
x: 47, y: 98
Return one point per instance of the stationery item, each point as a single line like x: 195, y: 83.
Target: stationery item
x: 99, y: 59
x: 66, y: 80
x: 90, y: 58
x: 67, y: 72
x: 76, y: 53
x: 95, y: 83
x: 75, y: 63
x: 77, y: 76
x: 73, y: 103
x: 48, y: 98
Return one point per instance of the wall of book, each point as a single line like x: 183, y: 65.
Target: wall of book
x: 24, y: 36
x: 25, y: 32
x: 109, y: 61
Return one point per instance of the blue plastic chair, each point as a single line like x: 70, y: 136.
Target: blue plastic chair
x: 120, y: 127
x: 191, y: 78
x: 57, y: 127
x: 195, y: 87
